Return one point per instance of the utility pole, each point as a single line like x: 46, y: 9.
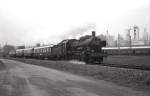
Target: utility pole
x: 119, y: 43
x: 107, y: 37
x: 0, y: 51
x: 130, y: 41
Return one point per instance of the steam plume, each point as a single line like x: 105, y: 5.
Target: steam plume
x: 79, y: 30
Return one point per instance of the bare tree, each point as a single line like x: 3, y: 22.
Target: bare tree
x: 6, y: 49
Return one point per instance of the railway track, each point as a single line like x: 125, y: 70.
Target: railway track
x: 126, y: 66
x: 122, y: 66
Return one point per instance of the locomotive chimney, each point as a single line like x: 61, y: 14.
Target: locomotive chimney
x: 93, y: 33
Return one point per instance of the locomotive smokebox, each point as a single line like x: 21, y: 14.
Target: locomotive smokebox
x: 93, y: 33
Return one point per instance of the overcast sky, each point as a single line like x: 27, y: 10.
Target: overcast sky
x: 49, y: 21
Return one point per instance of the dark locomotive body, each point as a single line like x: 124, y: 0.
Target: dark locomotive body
x: 87, y: 48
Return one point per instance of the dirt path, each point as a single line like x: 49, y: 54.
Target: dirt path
x: 20, y: 79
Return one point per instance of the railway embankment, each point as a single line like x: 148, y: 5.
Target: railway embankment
x: 133, y: 78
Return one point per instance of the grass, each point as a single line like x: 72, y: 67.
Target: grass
x: 137, y: 79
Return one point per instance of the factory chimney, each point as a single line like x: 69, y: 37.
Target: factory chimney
x: 93, y: 33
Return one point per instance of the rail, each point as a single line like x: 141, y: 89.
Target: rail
x: 126, y: 66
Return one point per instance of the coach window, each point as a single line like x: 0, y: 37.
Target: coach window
x: 42, y: 50
x: 50, y: 49
x: 47, y: 49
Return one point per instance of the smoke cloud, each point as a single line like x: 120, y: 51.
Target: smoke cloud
x: 76, y: 31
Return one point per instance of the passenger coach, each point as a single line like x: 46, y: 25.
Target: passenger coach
x: 138, y: 50
x: 43, y: 52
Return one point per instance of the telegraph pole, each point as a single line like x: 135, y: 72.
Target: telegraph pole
x: 107, y: 38
x: 119, y: 43
x: 130, y: 41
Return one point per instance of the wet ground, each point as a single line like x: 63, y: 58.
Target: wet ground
x: 20, y: 79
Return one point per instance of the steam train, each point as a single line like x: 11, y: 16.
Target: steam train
x: 136, y: 50
x: 88, y: 49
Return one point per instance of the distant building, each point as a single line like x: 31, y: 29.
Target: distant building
x: 111, y: 42
x: 134, y: 32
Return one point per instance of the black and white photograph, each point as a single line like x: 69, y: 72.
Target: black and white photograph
x: 74, y: 47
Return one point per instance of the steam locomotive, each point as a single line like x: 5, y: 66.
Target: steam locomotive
x: 87, y: 48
